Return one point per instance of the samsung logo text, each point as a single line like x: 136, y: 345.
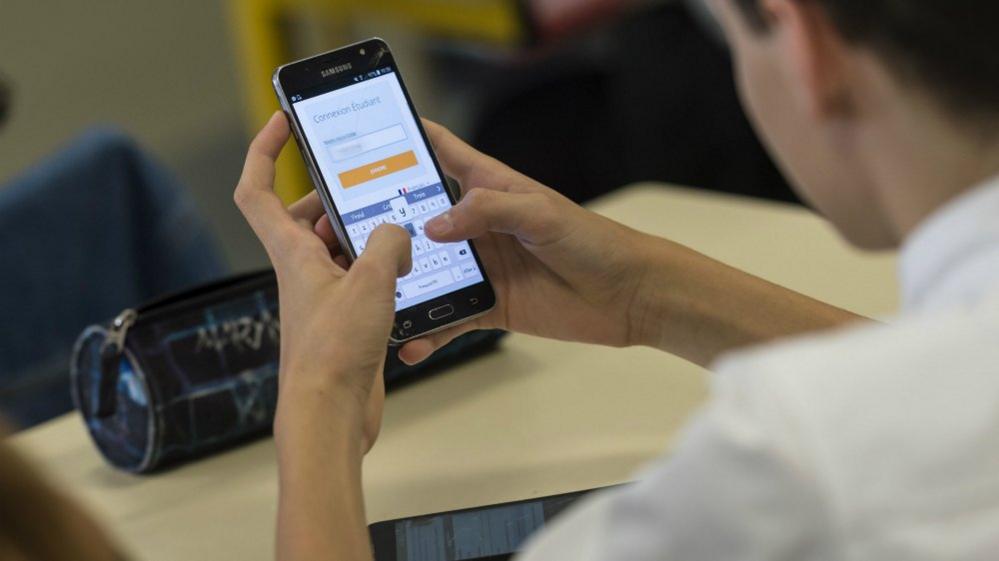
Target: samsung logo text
x: 336, y: 69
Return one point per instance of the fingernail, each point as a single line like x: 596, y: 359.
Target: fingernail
x: 440, y: 225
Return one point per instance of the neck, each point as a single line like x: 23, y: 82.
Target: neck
x: 925, y: 162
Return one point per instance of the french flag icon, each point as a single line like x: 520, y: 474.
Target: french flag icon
x: 404, y: 190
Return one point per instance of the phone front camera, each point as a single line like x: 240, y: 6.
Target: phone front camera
x: 363, y: 52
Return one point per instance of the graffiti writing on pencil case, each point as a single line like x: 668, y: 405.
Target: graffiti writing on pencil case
x: 242, y: 333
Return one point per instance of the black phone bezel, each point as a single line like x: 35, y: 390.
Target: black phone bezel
x: 305, y: 77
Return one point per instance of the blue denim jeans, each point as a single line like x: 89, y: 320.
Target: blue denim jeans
x: 96, y: 228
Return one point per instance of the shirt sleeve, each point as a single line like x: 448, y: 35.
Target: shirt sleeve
x: 741, y: 484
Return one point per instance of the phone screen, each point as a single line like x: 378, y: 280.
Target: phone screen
x: 377, y: 169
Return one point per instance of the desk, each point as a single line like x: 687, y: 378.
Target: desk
x: 535, y: 418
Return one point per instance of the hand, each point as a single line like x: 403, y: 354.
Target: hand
x: 335, y: 323
x: 559, y: 271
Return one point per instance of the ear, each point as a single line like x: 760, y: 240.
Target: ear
x: 816, y: 55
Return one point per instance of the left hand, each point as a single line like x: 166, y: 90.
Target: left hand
x: 335, y: 322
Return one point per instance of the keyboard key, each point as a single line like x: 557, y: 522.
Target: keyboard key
x: 456, y: 272
x: 435, y: 261
x: 427, y: 284
x: 445, y: 258
x: 425, y: 265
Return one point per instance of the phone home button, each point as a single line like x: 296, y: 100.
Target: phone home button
x: 441, y: 312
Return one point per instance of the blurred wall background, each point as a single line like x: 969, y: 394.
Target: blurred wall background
x: 161, y: 71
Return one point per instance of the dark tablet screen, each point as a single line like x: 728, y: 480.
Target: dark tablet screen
x: 487, y: 533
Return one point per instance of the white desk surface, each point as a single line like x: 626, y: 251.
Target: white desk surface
x: 535, y: 418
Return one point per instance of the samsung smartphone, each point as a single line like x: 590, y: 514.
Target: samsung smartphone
x: 371, y: 163
x: 490, y: 533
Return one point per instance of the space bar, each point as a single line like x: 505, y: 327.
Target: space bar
x: 427, y: 284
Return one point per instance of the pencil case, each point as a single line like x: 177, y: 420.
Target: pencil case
x: 196, y: 372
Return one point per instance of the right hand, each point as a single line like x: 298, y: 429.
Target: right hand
x: 559, y: 271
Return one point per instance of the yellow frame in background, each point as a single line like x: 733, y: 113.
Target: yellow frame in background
x: 263, y: 43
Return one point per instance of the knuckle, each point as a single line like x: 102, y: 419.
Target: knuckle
x: 545, y: 202
x: 284, y: 239
x: 240, y: 196
x: 246, y: 196
x: 543, y: 214
x: 394, y: 234
x: 476, y: 199
x: 373, y: 269
x: 256, y: 144
x: 398, y: 240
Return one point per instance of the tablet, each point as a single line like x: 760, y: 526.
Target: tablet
x: 488, y: 533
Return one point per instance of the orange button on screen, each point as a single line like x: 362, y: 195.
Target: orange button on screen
x: 374, y: 170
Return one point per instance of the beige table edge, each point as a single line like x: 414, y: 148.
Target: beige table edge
x: 536, y: 418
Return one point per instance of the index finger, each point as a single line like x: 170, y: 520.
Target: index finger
x: 461, y: 161
x: 255, y: 194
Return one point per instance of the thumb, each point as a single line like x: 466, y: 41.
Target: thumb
x: 387, y: 256
x: 531, y: 217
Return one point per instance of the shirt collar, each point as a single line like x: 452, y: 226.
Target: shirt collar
x: 952, y: 258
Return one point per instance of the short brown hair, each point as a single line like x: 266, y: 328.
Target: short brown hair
x: 949, y: 47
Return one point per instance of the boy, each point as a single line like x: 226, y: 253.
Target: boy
x: 863, y: 442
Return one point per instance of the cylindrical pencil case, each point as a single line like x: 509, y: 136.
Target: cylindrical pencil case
x: 196, y: 372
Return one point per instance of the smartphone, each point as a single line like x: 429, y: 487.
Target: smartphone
x: 489, y: 533
x: 371, y: 162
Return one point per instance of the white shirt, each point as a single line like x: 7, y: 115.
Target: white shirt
x: 875, y: 443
